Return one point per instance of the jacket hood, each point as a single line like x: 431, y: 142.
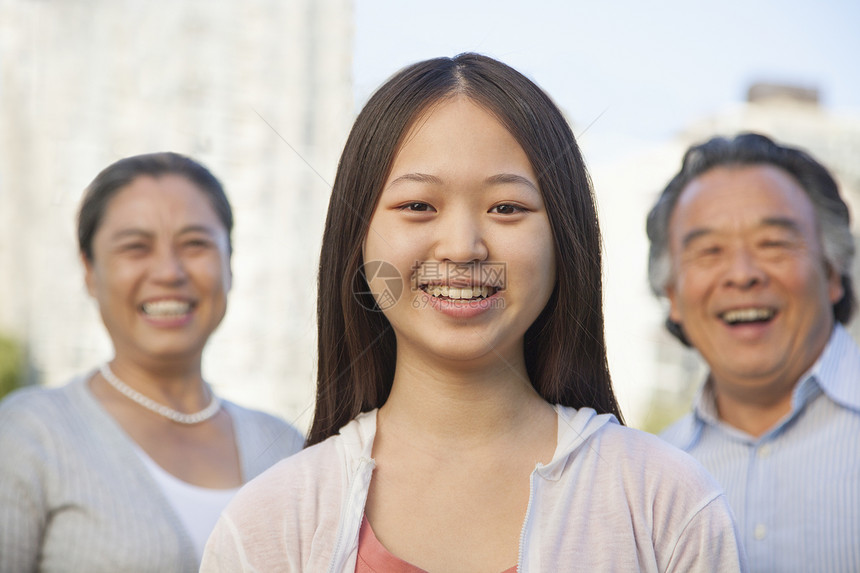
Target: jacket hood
x: 575, y: 427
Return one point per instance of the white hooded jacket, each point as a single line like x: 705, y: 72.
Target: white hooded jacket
x: 611, y: 499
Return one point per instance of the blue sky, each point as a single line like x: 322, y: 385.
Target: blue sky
x: 645, y: 69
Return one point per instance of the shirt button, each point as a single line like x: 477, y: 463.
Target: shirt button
x: 764, y: 451
x: 760, y: 531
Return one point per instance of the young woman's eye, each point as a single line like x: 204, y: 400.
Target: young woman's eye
x: 417, y: 207
x: 507, y: 209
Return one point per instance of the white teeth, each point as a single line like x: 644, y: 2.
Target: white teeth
x: 166, y: 308
x: 747, y: 315
x: 456, y: 293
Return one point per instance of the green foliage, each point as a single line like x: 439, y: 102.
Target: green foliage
x: 11, y: 365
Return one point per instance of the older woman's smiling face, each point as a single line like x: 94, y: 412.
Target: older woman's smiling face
x: 160, y: 270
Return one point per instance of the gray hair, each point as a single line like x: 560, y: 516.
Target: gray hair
x: 834, y: 222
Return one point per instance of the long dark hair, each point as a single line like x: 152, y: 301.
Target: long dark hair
x: 565, y: 350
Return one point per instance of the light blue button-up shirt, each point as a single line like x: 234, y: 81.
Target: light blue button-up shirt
x: 795, y: 490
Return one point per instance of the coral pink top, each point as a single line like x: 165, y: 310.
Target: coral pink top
x: 374, y: 558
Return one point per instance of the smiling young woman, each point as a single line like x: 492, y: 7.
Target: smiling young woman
x: 468, y: 424
x: 127, y: 467
x: 462, y: 196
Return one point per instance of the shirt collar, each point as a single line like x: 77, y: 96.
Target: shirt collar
x: 834, y: 373
x: 705, y: 404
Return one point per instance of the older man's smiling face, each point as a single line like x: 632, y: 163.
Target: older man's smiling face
x: 750, y: 285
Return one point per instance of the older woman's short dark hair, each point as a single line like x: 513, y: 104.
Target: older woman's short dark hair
x: 116, y: 176
x: 831, y: 212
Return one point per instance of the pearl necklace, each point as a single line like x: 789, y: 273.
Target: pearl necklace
x: 160, y: 409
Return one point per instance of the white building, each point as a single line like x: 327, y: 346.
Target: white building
x: 259, y: 91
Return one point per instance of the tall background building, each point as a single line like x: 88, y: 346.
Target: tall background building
x: 260, y: 91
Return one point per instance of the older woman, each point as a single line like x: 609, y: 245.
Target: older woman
x: 127, y: 467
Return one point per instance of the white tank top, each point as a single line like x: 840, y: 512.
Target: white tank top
x: 198, y: 507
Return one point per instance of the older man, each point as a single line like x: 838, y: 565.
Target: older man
x: 750, y: 243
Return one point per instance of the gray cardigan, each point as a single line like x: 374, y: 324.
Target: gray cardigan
x: 75, y: 496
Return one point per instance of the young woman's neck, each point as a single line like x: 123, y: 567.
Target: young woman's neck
x: 467, y: 406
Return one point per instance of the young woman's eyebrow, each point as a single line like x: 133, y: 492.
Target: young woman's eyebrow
x: 506, y: 178
x: 501, y: 178
x: 416, y: 178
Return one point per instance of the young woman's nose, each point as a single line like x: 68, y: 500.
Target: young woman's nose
x: 461, y: 239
